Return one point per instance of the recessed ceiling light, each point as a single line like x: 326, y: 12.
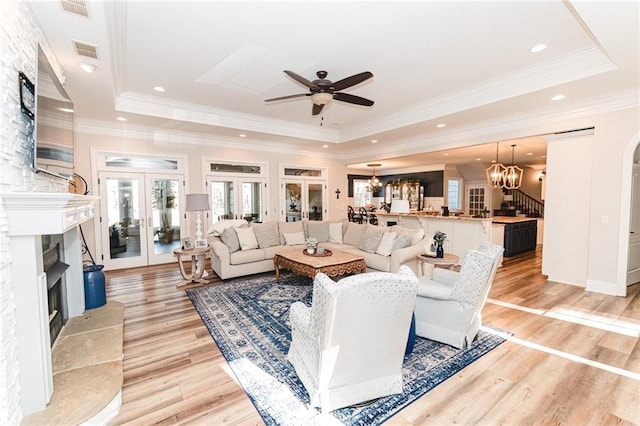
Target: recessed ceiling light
x: 88, y: 67
x: 159, y: 89
x: 325, y: 146
x: 242, y: 135
x: 478, y: 159
x: 121, y: 119
x: 446, y: 154
x: 374, y: 140
x: 529, y: 153
x: 557, y: 98
x: 441, y: 125
x: 66, y: 109
x: 538, y: 48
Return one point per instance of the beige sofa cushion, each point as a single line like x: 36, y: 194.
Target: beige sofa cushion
x: 289, y: 227
x: 294, y: 238
x: 247, y: 256
x: 386, y: 244
x: 318, y: 230
x: 336, y: 231
x: 247, y: 238
x: 353, y: 234
x: 266, y: 234
x: 371, y: 238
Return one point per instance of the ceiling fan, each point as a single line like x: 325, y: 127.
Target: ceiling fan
x: 322, y: 91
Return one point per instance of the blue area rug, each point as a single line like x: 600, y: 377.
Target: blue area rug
x: 248, y: 319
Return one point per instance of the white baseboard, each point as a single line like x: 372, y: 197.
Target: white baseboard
x: 603, y: 287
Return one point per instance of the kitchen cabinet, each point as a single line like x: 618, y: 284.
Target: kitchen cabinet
x: 520, y: 237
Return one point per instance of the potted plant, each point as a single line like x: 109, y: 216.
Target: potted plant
x: 439, y: 238
x: 311, y: 244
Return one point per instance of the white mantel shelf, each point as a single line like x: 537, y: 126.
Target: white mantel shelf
x: 46, y: 213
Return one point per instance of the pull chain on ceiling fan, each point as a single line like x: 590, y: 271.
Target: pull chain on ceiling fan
x: 323, y: 91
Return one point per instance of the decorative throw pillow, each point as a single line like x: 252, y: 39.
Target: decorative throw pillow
x: 267, y: 234
x: 318, y: 230
x: 353, y: 234
x: 294, y: 238
x: 247, y: 238
x: 417, y: 235
x: 386, y: 244
x: 230, y: 239
x: 217, y: 228
x: 335, y: 232
x: 371, y: 239
x: 289, y: 227
x: 402, y: 240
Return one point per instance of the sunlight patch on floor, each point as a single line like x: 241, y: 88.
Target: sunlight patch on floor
x: 583, y: 318
x: 565, y: 355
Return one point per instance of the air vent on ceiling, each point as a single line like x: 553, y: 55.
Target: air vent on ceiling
x: 77, y: 7
x: 85, y: 49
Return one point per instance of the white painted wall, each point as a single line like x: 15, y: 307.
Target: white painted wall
x: 567, y: 212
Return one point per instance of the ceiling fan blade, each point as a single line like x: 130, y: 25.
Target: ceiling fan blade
x: 316, y: 109
x: 300, y: 79
x: 351, y: 81
x: 281, y: 98
x: 352, y: 99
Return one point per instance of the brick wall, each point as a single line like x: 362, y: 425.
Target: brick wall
x: 19, y: 35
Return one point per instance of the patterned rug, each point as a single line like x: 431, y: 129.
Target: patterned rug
x: 248, y: 319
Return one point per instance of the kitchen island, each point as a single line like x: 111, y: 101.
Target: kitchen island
x: 520, y: 234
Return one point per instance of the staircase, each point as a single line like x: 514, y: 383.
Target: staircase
x: 526, y: 204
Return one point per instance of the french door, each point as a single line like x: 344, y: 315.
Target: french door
x: 236, y: 198
x: 140, y: 218
x: 303, y: 199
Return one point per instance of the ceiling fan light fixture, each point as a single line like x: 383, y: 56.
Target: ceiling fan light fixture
x: 321, y: 98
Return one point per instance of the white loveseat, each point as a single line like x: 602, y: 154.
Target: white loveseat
x: 385, y: 253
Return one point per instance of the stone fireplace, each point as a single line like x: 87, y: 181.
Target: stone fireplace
x: 46, y: 253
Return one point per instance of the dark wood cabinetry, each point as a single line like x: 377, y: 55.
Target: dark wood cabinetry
x: 520, y: 237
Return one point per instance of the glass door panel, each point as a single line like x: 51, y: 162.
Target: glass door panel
x: 222, y: 200
x: 123, y: 245
x: 293, y: 201
x: 316, y: 204
x: 164, y: 228
x: 251, y: 201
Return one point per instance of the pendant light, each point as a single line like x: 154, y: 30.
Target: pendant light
x: 512, y: 174
x: 374, y: 183
x: 495, y: 173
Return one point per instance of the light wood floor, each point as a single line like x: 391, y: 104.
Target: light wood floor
x: 574, y: 358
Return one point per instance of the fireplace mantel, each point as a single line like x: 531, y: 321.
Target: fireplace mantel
x: 46, y: 213
x: 30, y: 216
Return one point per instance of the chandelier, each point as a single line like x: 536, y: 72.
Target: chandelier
x: 374, y: 183
x: 512, y: 174
x: 495, y: 173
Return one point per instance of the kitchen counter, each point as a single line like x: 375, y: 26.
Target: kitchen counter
x: 510, y: 219
x: 431, y: 216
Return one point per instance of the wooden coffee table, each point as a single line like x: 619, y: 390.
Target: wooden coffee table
x: 339, y: 263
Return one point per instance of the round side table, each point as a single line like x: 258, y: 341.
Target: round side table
x: 197, y: 256
x: 448, y: 261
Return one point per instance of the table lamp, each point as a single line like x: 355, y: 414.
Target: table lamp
x: 399, y: 206
x: 198, y: 203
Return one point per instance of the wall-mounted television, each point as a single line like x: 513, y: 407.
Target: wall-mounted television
x: 53, y: 138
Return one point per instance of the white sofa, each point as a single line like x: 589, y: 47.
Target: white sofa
x: 347, y: 236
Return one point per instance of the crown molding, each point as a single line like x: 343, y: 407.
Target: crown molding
x: 575, y: 66
x: 173, y: 110
x: 509, y: 127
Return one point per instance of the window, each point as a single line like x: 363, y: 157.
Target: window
x: 454, y: 194
x: 361, y: 196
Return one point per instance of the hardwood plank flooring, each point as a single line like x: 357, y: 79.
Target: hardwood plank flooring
x: 574, y: 358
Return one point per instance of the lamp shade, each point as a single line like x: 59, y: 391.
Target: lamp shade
x: 197, y: 202
x: 399, y: 206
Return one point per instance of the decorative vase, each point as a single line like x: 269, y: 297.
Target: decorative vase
x: 439, y: 250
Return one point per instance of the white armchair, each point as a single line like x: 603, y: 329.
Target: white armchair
x: 449, y: 305
x: 348, y: 347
